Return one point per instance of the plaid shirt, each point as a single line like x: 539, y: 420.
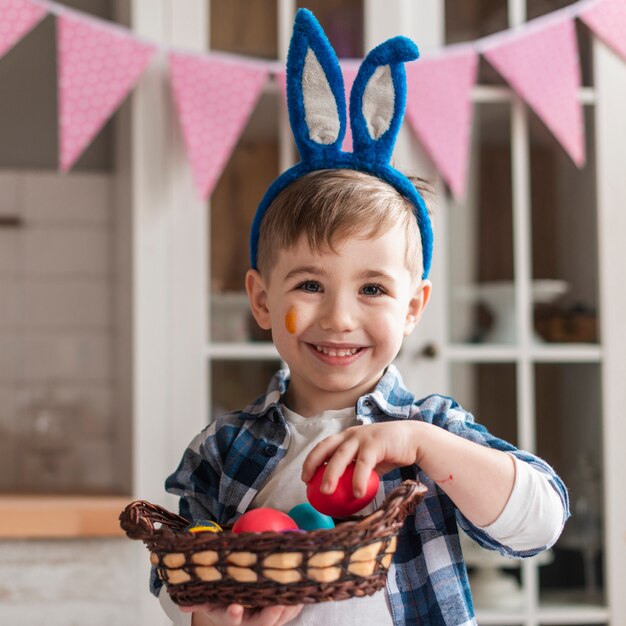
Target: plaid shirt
x: 231, y: 459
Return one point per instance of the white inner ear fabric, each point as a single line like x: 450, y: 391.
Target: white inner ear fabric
x: 378, y: 101
x: 320, y: 106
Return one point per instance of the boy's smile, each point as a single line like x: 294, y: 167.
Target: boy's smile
x: 338, y: 318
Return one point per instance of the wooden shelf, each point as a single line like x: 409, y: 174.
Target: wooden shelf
x: 48, y: 517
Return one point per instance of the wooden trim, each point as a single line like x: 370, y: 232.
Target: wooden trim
x: 60, y: 517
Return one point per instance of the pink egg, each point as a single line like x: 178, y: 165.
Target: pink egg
x: 264, y: 519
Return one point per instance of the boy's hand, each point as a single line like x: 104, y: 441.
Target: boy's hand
x: 380, y: 447
x: 478, y: 479
x: 237, y: 615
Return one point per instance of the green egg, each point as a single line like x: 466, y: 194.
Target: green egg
x: 308, y: 518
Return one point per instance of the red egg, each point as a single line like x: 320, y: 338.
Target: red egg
x: 341, y: 502
x: 264, y: 519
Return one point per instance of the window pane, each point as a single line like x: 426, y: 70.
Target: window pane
x: 342, y: 21
x: 234, y: 384
x: 565, y: 247
x: 472, y: 19
x: 244, y: 27
x: 568, y: 405
x: 252, y: 167
x: 481, y: 238
x: 488, y: 391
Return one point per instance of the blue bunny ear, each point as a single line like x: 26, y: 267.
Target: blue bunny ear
x: 378, y: 99
x: 315, y: 91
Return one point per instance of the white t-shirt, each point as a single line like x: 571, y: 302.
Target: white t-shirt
x: 532, y: 517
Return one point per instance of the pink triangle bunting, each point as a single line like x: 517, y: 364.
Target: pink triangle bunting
x: 607, y: 19
x: 98, y: 66
x: 214, y: 97
x: 17, y: 19
x: 541, y: 64
x: 349, y: 69
x: 439, y: 109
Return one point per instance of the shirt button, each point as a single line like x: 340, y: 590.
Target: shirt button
x: 270, y: 450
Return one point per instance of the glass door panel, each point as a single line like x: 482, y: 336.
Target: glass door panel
x: 565, y: 247
x: 568, y: 406
x: 488, y: 391
x: 342, y: 21
x: 482, y: 299
x: 247, y: 27
x: 466, y: 21
x: 252, y: 167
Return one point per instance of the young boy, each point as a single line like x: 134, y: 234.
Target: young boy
x: 340, y: 256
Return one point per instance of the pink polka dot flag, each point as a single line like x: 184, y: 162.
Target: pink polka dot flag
x: 439, y: 109
x: 349, y: 69
x: 17, y: 19
x: 214, y: 97
x: 541, y: 64
x: 98, y: 66
x: 607, y: 19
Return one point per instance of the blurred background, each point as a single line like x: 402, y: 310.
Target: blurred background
x: 124, y: 326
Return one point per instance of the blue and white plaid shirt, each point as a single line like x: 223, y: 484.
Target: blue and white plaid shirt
x: 231, y: 459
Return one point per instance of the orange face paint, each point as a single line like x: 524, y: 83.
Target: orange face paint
x: 290, y: 321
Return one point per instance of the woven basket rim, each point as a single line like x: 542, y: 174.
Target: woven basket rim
x: 139, y: 517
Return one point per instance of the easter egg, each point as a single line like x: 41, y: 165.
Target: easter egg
x: 308, y: 518
x: 204, y: 526
x: 264, y: 519
x: 342, y: 501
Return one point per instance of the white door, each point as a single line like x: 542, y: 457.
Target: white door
x: 513, y: 328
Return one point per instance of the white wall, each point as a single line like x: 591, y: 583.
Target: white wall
x: 57, y: 328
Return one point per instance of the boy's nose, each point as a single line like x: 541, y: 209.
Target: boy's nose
x: 337, y: 316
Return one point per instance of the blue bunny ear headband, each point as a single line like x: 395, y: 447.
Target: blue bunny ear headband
x: 317, y: 113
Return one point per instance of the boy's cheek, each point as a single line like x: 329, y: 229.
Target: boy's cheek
x: 296, y: 318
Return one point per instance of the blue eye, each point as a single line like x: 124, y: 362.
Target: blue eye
x: 373, y: 290
x: 310, y: 286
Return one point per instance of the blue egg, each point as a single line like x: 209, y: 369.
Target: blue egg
x: 308, y: 518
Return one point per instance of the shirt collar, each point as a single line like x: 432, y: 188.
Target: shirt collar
x: 390, y: 397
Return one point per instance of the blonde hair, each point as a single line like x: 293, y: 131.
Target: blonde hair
x: 333, y: 205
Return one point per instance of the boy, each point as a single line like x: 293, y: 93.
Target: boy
x: 340, y: 254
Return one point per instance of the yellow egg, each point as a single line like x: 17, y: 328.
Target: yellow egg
x: 205, y: 527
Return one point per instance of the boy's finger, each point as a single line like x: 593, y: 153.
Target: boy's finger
x: 234, y: 613
x: 269, y: 616
x: 290, y: 613
x: 363, y: 467
x: 343, y: 456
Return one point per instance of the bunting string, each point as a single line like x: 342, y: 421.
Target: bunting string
x: 100, y: 62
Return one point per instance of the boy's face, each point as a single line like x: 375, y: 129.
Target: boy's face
x: 338, y: 319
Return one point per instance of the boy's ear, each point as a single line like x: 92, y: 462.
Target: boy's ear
x: 417, y: 304
x: 257, y: 296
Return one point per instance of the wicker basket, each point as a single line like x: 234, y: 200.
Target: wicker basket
x: 263, y: 569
